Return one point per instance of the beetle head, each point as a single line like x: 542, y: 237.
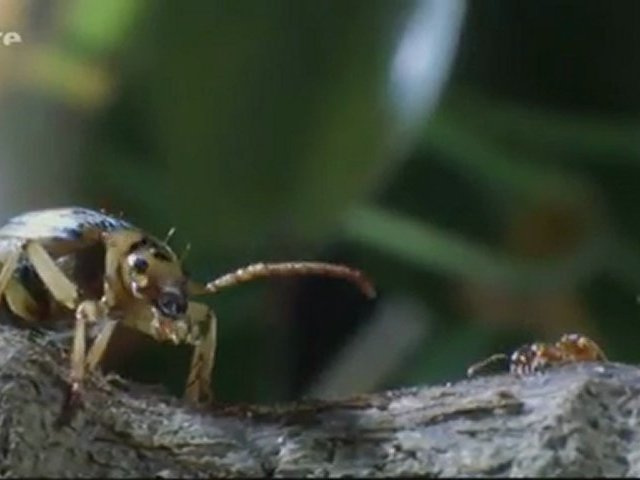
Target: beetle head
x: 153, y: 272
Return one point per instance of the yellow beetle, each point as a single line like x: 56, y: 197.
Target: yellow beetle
x: 106, y: 270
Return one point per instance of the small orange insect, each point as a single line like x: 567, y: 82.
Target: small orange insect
x: 534, y: 357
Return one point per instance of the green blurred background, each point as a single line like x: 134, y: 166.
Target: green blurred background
x: 478, y: 160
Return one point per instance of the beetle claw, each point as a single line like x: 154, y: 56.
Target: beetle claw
x: 70, y: 405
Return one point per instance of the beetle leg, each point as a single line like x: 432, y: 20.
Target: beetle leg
x: 198, y: 388
x: 18, y: 298
x: 10, y: 262
x: 89, y: 311
x: 77, y: 358
x: 198, y: 328
x: 20, y: 301
x: 99, y: 345
x: 65, y: 292
x: 62, y: 289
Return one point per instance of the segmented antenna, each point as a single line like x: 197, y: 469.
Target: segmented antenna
x: 169, y: 235
x: 291, y: 269
x: 473, y: 370
x: 185, y: 252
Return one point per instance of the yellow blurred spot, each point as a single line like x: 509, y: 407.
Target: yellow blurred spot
x: 73, y: 80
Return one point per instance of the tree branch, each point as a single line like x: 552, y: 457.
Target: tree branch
x: 576, y: 420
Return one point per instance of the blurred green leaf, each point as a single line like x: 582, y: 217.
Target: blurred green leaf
x: 269, y: 118
x: 518, y: 174
x: 598, y: 138
x: 449, y: 254
x: 99, y: 26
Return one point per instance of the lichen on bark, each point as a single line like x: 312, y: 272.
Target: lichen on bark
x: 578, y: 420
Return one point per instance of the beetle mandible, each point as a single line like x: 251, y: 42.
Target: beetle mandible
x: 106, y: 270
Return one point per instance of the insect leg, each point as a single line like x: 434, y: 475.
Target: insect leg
x: 89, y: 311
x: 62, y: 289
x: 18, y: 298
x: 99, y: 345
x: 20, y: 301
x: 10, y: 262
x: 198, y: 388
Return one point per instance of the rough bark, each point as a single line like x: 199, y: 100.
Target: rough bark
x: 576, y: 420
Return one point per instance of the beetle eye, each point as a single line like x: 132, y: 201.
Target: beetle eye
x: 140, y: 265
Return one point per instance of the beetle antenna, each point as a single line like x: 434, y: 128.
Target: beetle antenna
x: 291, y: 269
x: 170, y: 234
x: 185, y: 252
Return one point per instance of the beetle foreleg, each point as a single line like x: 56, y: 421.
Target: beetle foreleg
x: 65, y: 292
x: 89, y: 311
x: 198, y: 388
x: 62, y: 289
x: 99, y: 345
